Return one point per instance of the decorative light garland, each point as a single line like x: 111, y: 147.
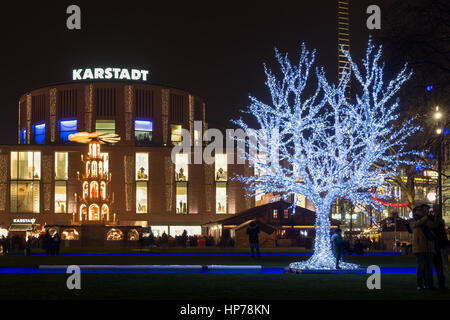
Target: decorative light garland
x: 330, y: 143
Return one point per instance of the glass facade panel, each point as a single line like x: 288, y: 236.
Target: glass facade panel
x: 221, y: 167
x: 61, y: 165
x: 66, y: 128
x: 142, y: 166
x: 141, y: 197
x: 105, y: 126
x: 181, y: 199
x: 221, y: 197
x: 143, y: 132
x: 60, y: 197
x: 181, y: 167
x: 175, y: 134
x: 25, y: 196
x: 39, y: 133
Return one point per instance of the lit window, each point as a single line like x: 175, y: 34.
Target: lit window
x: 175, y: 134
x: 221, y: 197
x: 141, y: 197
x: 286, y: 214
x: 25, y: 196
x: 25, y: 165
x: 181, y: 167
x: 181, y: 199
x: 61, y: 165
x: 143, y: 132
x: 190, y: 230
x: 39, y: 133
x: 66, y: 128
x: 94, y: 212
x: 197, y: 138
x: 105, y: 212
x: 60, y: 197
x: 159, y: 230
x: 301, y: 201
x: 23, y: 136
x: 275, y: 213
x: 141, y: 166
x: 105, y: 126
x: 94, y: 190
x: 221, y: 167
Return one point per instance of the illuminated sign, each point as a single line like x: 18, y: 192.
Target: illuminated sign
x: 24, y: 220
x: 109, y: 73
x: 430, y: 173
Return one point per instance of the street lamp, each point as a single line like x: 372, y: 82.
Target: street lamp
x: 438, y: 116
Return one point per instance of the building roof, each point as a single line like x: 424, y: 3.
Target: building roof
x: 302, y: 216
x: 267, y: 228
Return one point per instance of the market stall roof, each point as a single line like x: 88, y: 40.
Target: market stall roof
x: 21, y: 227
x: 267, y: 228
x: 302, y: 216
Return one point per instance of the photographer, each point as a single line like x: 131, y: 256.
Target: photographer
x: 423, y: 244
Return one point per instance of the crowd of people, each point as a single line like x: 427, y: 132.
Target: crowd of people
x: 50, y: 244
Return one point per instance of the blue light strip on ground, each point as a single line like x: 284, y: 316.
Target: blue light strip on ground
x: 198, y: 254
x: 264, y: 270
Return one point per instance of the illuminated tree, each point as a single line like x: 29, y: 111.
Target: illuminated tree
x: 324, y: 145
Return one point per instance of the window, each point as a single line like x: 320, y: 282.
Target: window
x: 39, y: 133
x: 141, y: 166
x: 181, y: 178
x: 181, y: 167
x: 61, y: 176
x: 286, y: 213
x: 221, y: 182
x: 25, y: 176
x: 66, y: 128
x: 221, y: 197
x: 190, y: 230
x: 105, y: 126
x: 143, y: 132
x: 141, y: 182
x: 23, y: 136
x: 159, y: 230
x: 301, y: 201
x: 275, y: 213
x: 181, y: 198
x: 25, y: 165
x: 197, y: 138
x: 221, y: 167
x: 94, y: 212
x: 60, y: 197
x: 175, y: 134
x: 61, y: 165
x: 141, y: 197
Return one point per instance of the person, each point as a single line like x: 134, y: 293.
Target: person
x: 252, y: 232
x: 440, y: 245
x: 423, y: 245
x: 184, y: 238
x: 164, y: 241
x: 151, y: 240
x: 338, y: 246
x: 55, y: 244
x: 359, y: 248
x: 3, y: 244
x: 47, y: 243
x: 28, y: 246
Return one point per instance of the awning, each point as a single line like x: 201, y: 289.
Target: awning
x: 21, y: 227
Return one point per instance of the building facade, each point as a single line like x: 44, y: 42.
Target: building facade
x: 40, y: 177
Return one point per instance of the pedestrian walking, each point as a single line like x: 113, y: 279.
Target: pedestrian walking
x: 423, y: 245
x: 253, y: 231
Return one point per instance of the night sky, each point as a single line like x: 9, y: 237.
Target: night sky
x: 210, y: 48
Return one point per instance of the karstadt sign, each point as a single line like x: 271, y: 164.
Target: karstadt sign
x: 109, y: 73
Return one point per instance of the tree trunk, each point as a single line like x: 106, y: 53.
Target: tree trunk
x: 322, y: 257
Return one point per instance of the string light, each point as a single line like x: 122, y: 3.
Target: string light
x: 331, y: 146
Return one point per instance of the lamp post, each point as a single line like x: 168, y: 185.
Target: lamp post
x: 438, y: 116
